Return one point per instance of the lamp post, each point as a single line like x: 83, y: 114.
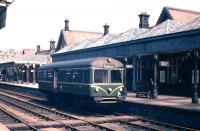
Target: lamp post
x: 155, y: 90
x: 125, y: 83
x: 195, y: 86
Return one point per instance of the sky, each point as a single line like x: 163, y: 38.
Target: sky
x: 35, y: 22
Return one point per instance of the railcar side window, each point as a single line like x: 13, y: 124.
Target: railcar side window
x: 68, y: 76
x: 44, y: 75
x: 61, y: 75
x: 40, y: 75
x: 75, y: 77
x: 50, y: 75
x: 116, y: 76
x: 100, y: 76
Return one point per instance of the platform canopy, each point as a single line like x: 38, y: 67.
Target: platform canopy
x: 26, y: 60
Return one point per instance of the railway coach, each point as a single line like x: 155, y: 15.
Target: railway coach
x: 96, y: 80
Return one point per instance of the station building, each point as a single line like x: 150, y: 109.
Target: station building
x: 164, y: 57
x: 21, y: 66
x: 22, y: 69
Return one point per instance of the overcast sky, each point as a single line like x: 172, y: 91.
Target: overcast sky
x: 33, y: 22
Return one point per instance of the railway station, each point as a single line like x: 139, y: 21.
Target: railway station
x: 166, y: 54
x: 155, y: 68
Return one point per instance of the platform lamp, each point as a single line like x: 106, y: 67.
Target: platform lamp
x: 125, y: 84
x: 155, y: 86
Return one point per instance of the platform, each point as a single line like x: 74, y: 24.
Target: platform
x: 27, y: 85
x: 177, y: 102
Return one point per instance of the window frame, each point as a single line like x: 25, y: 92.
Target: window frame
x: 122, y: 75
x: 94, y: 75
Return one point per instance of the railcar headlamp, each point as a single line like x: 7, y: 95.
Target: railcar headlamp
x: 118, y: 94
x: 97, y: 89
x: 120, y: 89
x: 110, y: 89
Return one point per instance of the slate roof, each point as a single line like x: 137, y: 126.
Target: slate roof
x: 44, y: 52
x: 183, y: 15
x: 25, y: 59
x: 78, y: 36
x: 195, y: 24
x: 104, y: 40
x: 169, y: 26
x: 77, y: 45
x: 129, y: 35
x: 73, y: 36
x: 177, y: 14
x: 166, y: 27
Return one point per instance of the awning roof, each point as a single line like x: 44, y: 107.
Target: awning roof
x: 25, y: 59
x: 7, y: 65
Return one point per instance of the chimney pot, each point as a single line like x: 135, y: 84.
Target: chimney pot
x: 106, y: 29
x: 144, y: 20
x: 38, y: 49
x: 66, y: 25
x: 52, y: 46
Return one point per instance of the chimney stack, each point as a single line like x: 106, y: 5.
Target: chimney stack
x: 144, y: 20
x: 66, y: 25
x: 52, y: 46
x: 106, y: 29
x: 38, y: 49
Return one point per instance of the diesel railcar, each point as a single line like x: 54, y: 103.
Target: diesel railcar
x: 98, y: 80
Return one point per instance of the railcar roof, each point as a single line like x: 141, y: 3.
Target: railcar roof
x: 99, y: 62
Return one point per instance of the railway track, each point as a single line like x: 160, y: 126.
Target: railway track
x: 48, y: 114
x: 27, y: 96
x: 116, y: 121
x: 7, y: 118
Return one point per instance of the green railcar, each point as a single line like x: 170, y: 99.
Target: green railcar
x: 98, y: 80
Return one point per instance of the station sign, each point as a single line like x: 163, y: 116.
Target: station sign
x: 129, y: 66
x: 164, y: 63
x: 108, y: 66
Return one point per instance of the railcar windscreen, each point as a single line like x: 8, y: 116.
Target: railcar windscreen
x: 116, y: 76
x: 100, y: 76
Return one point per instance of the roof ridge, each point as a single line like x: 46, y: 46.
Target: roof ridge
x: 180, y: 9
x: 83, y: 31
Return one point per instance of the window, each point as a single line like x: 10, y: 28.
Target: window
x: 74, y: 76
x: 44, y: 75
x: 86, y: 78
x: 100, y: 76
x: 140, y: 67
x: 162, y: 76
x: 68, y: 76
x: 116, y: 76
x: 50, y: 75
x: 77, y: 76
x: 174, y: 71
x: 61, y: 74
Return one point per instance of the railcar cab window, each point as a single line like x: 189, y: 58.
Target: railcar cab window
x: 116, y: 76
x: 100, y: 76
x: 86, y: 78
